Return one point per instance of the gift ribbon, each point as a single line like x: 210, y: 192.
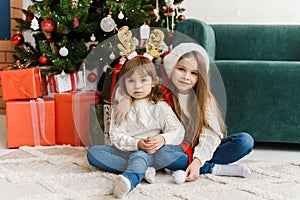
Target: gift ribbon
x: 35, y: 122
x: 76, y: 115
x: 114, y: 74
x: 74, y: 81
x: 51, y: 83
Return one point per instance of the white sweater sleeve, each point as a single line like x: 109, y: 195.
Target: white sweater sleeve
x: 210, y: 138
x: 208, y: 143
x: 172, y: 129
x: 120, y: 138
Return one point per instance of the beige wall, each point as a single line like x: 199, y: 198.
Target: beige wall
x: 6, y: 46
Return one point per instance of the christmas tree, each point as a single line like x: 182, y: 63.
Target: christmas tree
x: 66, y: 31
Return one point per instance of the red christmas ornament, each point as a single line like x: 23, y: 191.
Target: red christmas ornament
x: 17, y: 39
x: 29, y: 16
x: 75, y: 22
x: 28, y: 19
x: 47, y: 25
x: 43, y: 60
x: 181, y: 17
x: 92, y: 46
x: 92, y: 77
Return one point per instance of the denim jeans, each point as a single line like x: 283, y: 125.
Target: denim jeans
x: 232, y: 148
x: 133, y: 165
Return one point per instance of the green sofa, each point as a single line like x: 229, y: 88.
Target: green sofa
x: 260, y: 68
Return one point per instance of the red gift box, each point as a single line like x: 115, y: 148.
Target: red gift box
x: 22, y: 84
x: 72, y: 110
x: 30, y: 123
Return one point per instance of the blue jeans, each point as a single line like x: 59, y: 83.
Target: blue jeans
x: 232, y: 148
x: 132, y: 165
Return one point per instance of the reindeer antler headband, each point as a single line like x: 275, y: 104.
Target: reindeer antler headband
x: 154, y: 44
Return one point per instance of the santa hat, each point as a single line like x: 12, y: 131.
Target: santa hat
x: 172, y: 58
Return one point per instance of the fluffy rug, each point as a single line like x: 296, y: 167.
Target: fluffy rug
x: 62, y: 172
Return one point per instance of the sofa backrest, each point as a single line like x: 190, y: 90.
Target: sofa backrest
x: 257, y: 42
x: 196, y: 30
x: 245, y: 41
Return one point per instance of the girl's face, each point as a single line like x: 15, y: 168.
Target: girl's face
x: 185, y: 74
x: 138, y: 85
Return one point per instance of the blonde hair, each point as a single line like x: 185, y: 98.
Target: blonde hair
x: 145, y: 66
x: 198, y: 102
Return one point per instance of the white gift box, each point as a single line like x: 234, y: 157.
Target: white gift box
x: 65, y: 82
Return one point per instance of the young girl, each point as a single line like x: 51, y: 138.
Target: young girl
x: 151, y: 124
x: 187, y: 67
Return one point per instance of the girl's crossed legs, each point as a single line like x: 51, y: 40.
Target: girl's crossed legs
x: 232, y: 148
x: 131, y: 165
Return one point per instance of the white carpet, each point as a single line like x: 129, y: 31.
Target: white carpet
x: 62, y: 172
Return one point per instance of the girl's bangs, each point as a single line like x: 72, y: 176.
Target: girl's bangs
x: 140, y: 70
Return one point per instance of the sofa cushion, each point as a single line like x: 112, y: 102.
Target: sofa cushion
x: 262, y: 98
x: 257, y: 42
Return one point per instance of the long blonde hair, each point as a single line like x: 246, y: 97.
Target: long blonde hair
x: 199, y: 100
x: 145, y: 66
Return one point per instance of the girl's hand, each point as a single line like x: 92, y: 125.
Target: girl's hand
x: 143, y: 145
x: 121, y: 110
x: 193, y: 170
x: 156, y: 142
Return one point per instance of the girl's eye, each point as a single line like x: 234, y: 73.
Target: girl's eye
x: 180, y: 68
x: 195, y: 73
x: 130, y: 81
x: 144, y: 80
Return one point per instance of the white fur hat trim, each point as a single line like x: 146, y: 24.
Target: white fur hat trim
x: 172, y: 58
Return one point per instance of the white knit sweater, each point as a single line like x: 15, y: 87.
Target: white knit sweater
x: 146, y: 119
x: 210, y: 138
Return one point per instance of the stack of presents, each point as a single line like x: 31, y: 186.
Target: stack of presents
x: 44, y: 111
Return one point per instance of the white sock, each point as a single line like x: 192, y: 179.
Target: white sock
x: 168, y: 171
x: 150, y: 175
x: 231, y: 170
x: 122, y: 186
x: 179, y: 176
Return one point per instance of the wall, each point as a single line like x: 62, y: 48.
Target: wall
x: 6, y: 46
x: 244, y: 11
